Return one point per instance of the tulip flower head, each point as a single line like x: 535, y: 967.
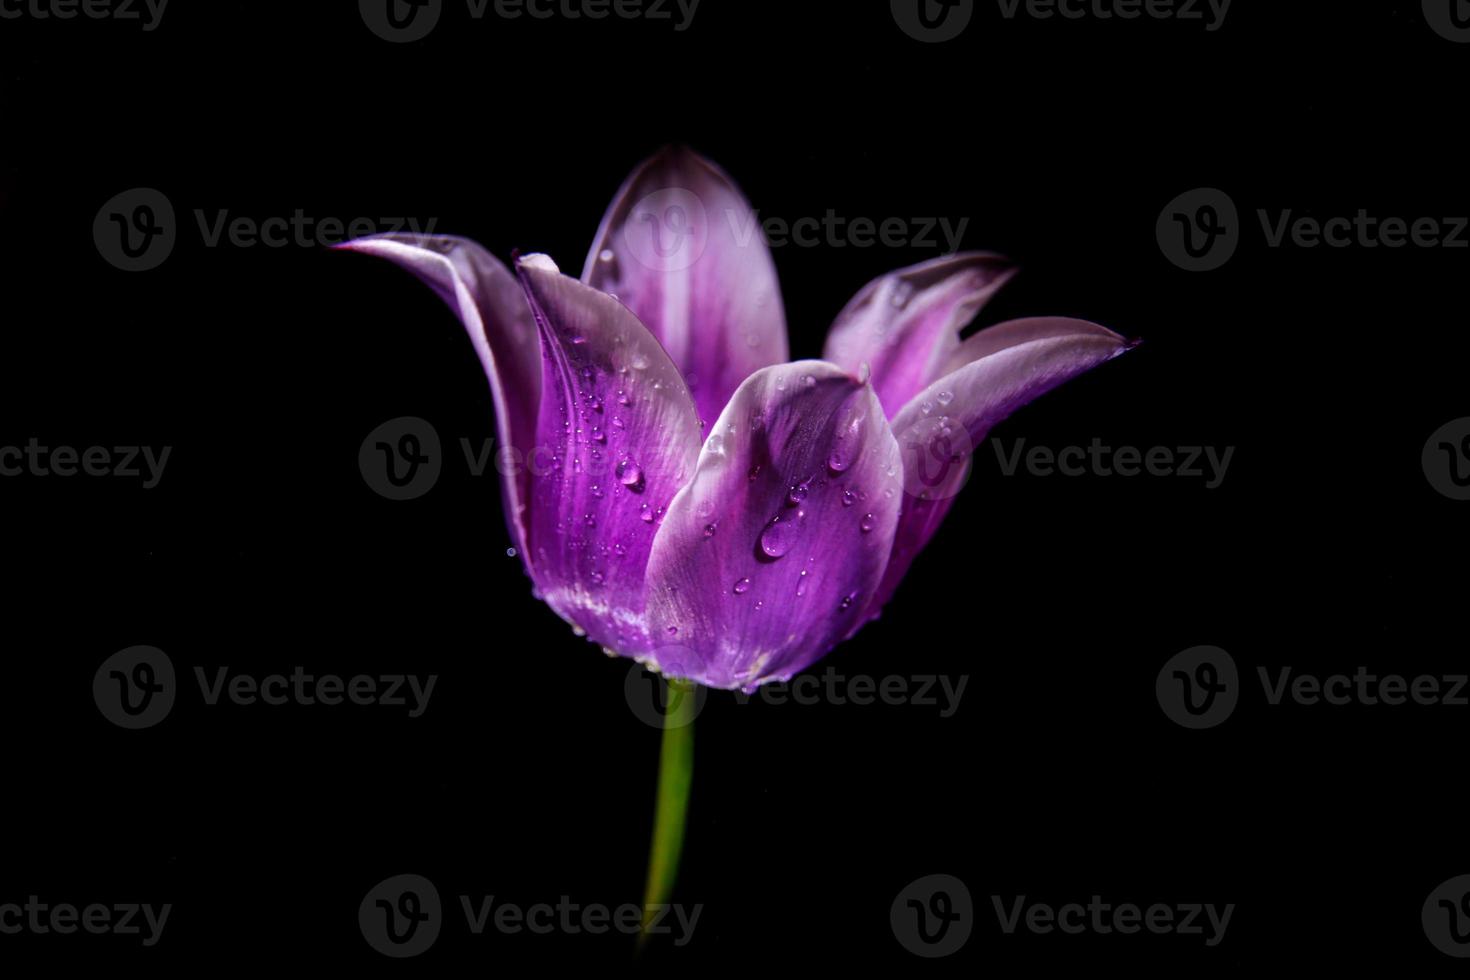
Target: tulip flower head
x: 688, y: 497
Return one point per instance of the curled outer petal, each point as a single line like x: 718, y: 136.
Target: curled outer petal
x: 493, y: 309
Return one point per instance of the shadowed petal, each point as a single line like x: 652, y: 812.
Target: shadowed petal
x: 987, y: 378
x: 492, y: 307
x: 906, y: 324
x: 768, y: 558
x: 681, y: 247
x: 617, y: 437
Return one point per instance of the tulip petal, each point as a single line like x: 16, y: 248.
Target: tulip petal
x: 906, y: 324
x: 681, y: 248
x: 491, y: 305
x: 985, y: 379
x: 768, y: 558
x: 617, y: 437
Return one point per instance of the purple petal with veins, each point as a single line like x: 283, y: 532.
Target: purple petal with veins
x: 986, y: 378
x: 491, y: 305
x: 906, y: 325
x: 617, y: 437
x: 770, y: 555
x: 681, y: 247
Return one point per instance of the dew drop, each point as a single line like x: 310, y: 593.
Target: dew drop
x: 797, y: 493
x: 742, y: 586
x: 709, y: 530
x: 510, y: 552
x: 944, y: 397
x: 646, y: 514
x: 836, y: 463
x: 630, y: 475
x: 673, y: 631
x: 847, y: 600
x: 868, y: 523
x: 780, y: 534
x: 848, y: 498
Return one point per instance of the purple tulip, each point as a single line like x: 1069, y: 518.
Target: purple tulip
x: 690, y: 499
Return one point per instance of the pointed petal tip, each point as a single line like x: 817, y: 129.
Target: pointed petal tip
x: 536, y: 260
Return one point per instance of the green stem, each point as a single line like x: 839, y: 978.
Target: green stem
x: 675, y: 773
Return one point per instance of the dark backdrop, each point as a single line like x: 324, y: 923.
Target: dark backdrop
x: 1324, y: 549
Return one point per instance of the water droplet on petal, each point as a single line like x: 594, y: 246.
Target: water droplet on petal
x: 847, y: 600
x: 742, y: 586
x: 848, y: 498
x: 780, y: 534
x: 630, y: 475
x: 944, y: 397
x: 646, y: 514
x: 868, y: 523
x: 510, y: 552
x: 836, y: 463
x: 709, y: 530
x: 673, y: 631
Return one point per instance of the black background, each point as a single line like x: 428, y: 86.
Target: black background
x: 529, y: 778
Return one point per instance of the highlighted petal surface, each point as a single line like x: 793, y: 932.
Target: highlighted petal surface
x: 769, y: 557
x: 906, y: 325
x: 681, y: 247
x: 616, y: 438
